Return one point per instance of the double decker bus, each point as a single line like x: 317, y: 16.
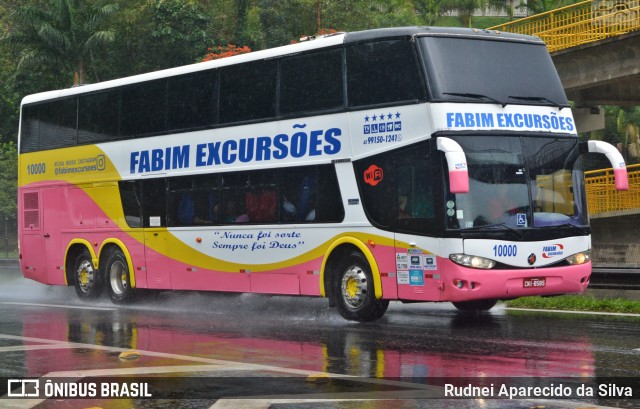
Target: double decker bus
x: 412, y: 164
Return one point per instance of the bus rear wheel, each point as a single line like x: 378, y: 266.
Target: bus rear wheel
x: 87, y: 279
x: 354, y: 291
x: 118, y: 278
x: 477, y: 305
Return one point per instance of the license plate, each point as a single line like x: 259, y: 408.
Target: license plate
x: 536, y: 282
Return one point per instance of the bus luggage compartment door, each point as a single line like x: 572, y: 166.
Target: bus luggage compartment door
x: 417, y: 272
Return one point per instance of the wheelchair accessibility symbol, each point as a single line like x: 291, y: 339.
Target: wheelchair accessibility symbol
x: 521, y: 219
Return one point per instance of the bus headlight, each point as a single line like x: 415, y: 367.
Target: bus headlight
x: 579, y: 258
x: 472, y: 261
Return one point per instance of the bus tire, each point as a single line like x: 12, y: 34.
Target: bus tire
x: 354, y: 292
x: 476, y: 305
x: 86, y: 278
x: 118, y: 278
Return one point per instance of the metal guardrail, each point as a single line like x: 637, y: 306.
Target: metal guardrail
x: 602, y: 197
x: 580, y: 23
x: 615, y: 279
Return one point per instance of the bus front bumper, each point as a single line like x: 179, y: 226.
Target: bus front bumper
x: 464, y: 284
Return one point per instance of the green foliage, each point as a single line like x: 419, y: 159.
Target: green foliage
x: 8, y: 179
x: 541, y: 6
x: 62, y: 36
x: 577, y: 303
x: 178, y: 31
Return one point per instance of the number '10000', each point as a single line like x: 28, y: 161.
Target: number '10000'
x: 505, y: 250
x: 36, y: 169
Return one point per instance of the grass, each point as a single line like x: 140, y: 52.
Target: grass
x: 577, y: 303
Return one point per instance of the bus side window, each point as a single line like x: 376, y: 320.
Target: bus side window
x: 49, y: 125
x: 261, y: 206
x: 328, y: 200
x: 321, y: 74
x: 192, y: 100
x: 153, y: 203
x: 185, y: 210
x: 234, y: 209
x: 400, y: 80
x: 307, y: 199
x: 129, y: 195
x: 248, y: 91
x: 143, y: 109
x: 98, y: 117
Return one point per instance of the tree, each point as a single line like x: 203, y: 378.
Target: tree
x: 178, y: 31
x: 428, y: 10
x: 542, y: 6
x: 464, y: 9
x: 8, y: 179
x: 629, y: 131
x: 506, y: 5
x: 61, y: 35
x: 158, y: 34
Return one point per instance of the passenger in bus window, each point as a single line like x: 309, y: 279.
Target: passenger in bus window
x: 186, y: 213
x: 234, y: 212
x: 288, y: 210
x: 403, y: 199
x: 206, y: 209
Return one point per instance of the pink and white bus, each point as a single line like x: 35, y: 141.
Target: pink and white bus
x: 411, y: 164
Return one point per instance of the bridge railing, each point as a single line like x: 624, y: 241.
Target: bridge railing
x: 602, y: 196
x: 580, y: 23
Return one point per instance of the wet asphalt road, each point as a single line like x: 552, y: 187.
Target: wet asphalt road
x: 200, y: 350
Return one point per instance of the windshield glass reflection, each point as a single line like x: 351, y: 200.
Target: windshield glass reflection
x: 520, y: 182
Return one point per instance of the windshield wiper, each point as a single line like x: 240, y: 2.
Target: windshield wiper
x: 582, y: 230
x: 539, y: 99
x: 475, y: 96
x: 515, y: 233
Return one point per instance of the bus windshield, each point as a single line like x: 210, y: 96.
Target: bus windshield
x: 481, y: 70
x: 519, y: 182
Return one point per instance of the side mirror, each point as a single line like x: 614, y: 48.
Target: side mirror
x: 456, y: 163
x: 616, y: 159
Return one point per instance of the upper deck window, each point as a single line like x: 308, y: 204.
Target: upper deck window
x: 491, y: 71
x: 383, y: 72
x: 248, y: 91
x: 49, y: 125
x: 98, y: 117
x: 311, y: 82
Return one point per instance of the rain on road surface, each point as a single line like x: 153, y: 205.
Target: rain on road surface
x: 220, y: 350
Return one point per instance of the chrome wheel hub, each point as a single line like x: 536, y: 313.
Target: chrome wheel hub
x: 354, y: 287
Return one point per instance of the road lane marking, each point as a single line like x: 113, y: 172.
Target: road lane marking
x: 18, y: 348
x: 167, y: 369
x: 70, y: 307
x: 437, y: 402
x: 219, y: 367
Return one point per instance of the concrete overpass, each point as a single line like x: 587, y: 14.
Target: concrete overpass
x: 595, y: 46
x: 605, y: 72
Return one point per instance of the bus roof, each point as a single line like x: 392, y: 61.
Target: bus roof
x: 439, y: 32
x: 317, y: 43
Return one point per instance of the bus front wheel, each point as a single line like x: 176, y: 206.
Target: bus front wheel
x: 87, y: 279
x: 477, y: 305
x: 354, y: 291
x: 118, y: 278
